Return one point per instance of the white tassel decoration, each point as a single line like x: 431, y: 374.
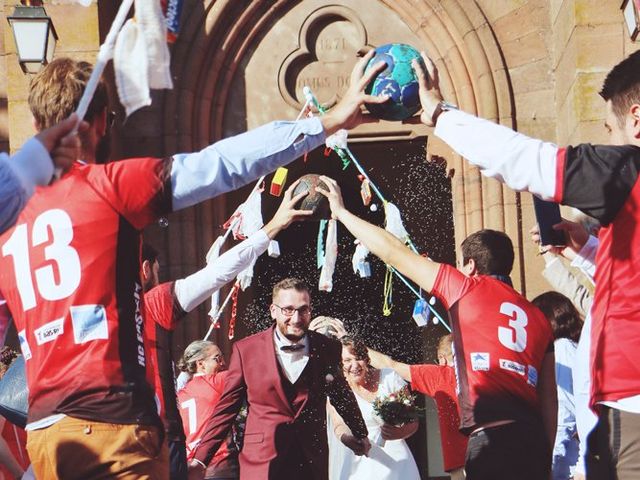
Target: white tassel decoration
x: 330, y: 257
x: 393, y: 222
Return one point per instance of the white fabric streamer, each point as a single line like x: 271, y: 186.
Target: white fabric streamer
x: 245, y: 277
x: 251, y: 215
x: 393, y: 222
x: 212, y: 255
x: 337, y: 140
x: 141, y: 56
x: 330, y: 257
x: 359, y: 259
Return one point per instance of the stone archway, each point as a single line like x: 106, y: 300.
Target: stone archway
x: 220, y: 37
x: 237, y: 62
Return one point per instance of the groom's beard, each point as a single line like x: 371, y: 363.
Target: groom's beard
x: 290, y: 337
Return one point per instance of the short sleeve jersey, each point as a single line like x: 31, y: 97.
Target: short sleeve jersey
x: 163, y: 312
x: 70, y: 275
x: 500, y: 340
x: 197, y: 401
x: 439, y: 382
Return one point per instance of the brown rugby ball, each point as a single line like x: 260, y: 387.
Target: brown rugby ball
x: 314, y: 201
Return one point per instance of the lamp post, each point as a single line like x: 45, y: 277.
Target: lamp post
x: 630, y: 10
x: 34, y: 35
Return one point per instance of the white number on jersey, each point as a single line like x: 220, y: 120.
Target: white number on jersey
x: 190, y: 406
x: 55, y: 228
x: 513, y: 337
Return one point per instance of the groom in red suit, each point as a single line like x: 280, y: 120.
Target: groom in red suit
x: 285, y: 373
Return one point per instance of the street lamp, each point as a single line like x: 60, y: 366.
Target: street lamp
x: 630, y: 10
x: 34, y: 35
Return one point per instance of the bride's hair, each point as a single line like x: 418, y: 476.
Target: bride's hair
x: 357, y: 347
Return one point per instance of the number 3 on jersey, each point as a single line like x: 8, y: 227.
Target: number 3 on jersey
x: 59, y: 251
x: 513, y: 337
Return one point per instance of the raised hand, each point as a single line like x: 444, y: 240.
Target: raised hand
x: 535, y: 238
x: 62, y: 142
x: 287, y: 213
x: 322, y: 322
x: 429, y: 89
x: 575, y: 234
x: 347, y: 113
x: 334, y: 196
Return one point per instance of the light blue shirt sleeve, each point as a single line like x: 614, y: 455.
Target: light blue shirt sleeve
x: 232, y: 163
x: 19, y: 175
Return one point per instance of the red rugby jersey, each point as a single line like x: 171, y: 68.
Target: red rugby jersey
x: 439, y: 382
x: 601, y: 181
x: 197, y: 401
x: 500, y: 340
x: 69, y: 272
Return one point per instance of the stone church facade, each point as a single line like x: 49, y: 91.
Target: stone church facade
x: 533, y: 65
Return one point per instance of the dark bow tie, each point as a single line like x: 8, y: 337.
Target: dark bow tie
x: 292, y: 348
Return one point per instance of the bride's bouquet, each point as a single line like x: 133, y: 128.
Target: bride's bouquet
x: 397, y: 409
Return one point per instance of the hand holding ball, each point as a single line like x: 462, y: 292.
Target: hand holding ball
x: 398, y: 81
x: 314, y: 201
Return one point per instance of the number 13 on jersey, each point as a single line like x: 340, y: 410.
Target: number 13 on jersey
x: 54, y: 228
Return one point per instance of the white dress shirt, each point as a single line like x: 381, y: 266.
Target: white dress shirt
x: 196, y: 288
x: 292, y: 362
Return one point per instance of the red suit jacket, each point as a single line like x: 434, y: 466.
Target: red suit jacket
x: 284, y: 437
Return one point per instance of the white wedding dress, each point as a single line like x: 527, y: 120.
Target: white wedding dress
x: 392, y: 461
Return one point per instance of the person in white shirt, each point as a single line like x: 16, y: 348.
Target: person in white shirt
x: 566, y: 323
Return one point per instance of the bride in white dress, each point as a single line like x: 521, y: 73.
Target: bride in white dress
x: 389, y: 457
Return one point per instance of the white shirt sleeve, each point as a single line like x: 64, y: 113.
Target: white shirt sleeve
x: 19, y: 175
x: 196, y: 288
x: 523, y: 163
x: 586, y: 258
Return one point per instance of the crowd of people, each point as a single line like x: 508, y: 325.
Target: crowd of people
x: 524, y: 389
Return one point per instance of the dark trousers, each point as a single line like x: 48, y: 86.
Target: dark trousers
x: 177, y: 460
x: 613, y: 447
x: 516, y: 450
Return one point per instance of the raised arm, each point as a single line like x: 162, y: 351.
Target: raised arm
x: 231, y: 163
x: 196, y: 288
x: 380, y: 242
x: 380, y: 360
x: 586, y: 176
x: 523, y: 163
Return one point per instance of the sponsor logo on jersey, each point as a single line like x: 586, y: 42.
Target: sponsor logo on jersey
x: 139, y: 326
x: 480, y: 361
x: 89, y: 322
x: 49, y: 331
x: 24, y: 345
x: 532, y: 376
x: 512, y: 366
